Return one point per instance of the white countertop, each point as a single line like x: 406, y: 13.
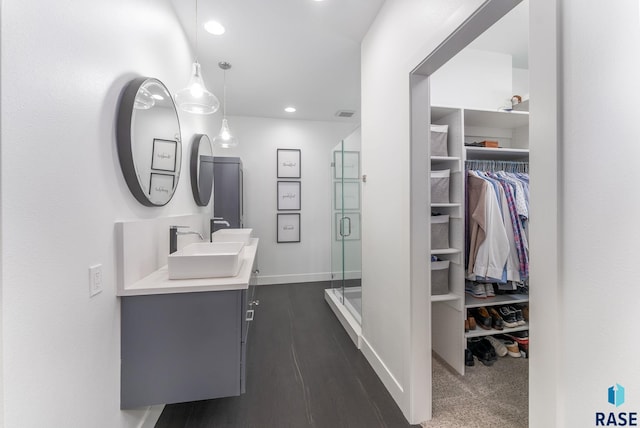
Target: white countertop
x: 158, y: 282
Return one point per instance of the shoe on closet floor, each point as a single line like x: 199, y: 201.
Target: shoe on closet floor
x: 496, y: 319
x: 468, y: 358
x: 488, y: 290
x: 483, y: 319
x: 508, y: 316
x: 499, y: 347
x: 476, y: 290
x: 512, y: 348
x: 482, y: 350
x: 520, y: 337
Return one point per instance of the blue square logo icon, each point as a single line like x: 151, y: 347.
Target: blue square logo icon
x: 616, y: 395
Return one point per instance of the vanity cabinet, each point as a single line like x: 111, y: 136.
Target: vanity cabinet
x: 182, y: 347
x: 183, y: 340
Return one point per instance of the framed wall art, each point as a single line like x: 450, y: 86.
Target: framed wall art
x: 164, y: 155
x: 288, y: 226
x: 347, y: 195
x: 289, y: 196
x: 289, y: 163
x: 160, y: 186
x: 347, y: 165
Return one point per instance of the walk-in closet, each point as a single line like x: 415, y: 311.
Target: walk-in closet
x: 477, y: 197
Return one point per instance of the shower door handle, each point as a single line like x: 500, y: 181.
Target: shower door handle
x: 349, y: 223
x: 342, y: 226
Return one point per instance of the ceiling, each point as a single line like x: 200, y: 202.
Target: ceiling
x: 303, y: 53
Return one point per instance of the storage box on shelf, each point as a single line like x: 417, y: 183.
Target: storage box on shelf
x: 446, y: 191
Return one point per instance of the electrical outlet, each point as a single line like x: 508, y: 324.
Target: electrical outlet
x: 95, y: 280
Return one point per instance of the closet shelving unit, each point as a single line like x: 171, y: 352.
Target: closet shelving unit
x: 449, y: 311
x: 454, y: 208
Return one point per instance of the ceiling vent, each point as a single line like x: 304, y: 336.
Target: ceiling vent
x: 345, y: 113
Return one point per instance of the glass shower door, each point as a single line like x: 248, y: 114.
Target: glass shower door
x: 346, y: 245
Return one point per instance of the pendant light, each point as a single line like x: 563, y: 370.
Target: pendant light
x: 225, y: 139
x: 195, y: 98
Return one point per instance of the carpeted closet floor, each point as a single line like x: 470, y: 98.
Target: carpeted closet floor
x: 484, y: 397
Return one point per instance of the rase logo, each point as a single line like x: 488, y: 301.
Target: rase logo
x: 615, y: 397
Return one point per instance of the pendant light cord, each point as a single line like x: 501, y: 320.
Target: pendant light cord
x: 224, y: 94
x: 196, y: 30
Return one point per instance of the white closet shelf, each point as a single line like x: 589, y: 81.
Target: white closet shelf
x: 496, y: 119
x: 445, y: 158
x: 502, y: 153
x: 436, y: 252
x: 448, y: 205
x: 501, y: 299
x: 445, y: 297
x: 479, y: 332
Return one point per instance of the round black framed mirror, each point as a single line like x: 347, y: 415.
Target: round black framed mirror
x: 201, y: 169
x: 149, y: 143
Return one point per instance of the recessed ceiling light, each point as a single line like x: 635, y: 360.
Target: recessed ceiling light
x: 291, y: 109
x: 214, y: 27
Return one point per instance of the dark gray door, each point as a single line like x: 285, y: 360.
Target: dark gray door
x: 227, y: 191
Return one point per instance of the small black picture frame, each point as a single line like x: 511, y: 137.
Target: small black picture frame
x: 164, y: 154
x: 159, y: 184
x: 288, y: 228
x: 289, y: 193
x: 347, y: 165
x: 289, y: 163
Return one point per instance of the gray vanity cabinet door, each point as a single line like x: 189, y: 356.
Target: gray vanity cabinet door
x: 181, y: 347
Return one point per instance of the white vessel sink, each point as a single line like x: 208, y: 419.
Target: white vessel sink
x: 206, y: 260
x: 233, y: 235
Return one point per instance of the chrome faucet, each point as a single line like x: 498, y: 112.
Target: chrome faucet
x: 173, y: 236
x: 220, y: 220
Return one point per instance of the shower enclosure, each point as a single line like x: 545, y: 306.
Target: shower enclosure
x: 345, y: 294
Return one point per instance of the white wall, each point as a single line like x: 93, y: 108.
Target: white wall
x: 593, y: 293
x: 309, y: 260
x: 403, y: 34
x: 474, y: 79
x: 521, y: 82
x: 63, y: 68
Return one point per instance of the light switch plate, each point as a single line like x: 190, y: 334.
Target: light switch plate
x: 95, y: 280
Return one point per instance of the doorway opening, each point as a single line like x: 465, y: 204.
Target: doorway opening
x: 469, y: 118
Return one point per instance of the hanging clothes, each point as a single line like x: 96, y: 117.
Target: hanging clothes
x: 497, y: 214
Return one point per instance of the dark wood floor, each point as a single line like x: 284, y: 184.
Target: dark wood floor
x: 302, y: 371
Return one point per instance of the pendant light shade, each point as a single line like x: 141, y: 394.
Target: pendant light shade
x: 195, y: 98
x: 225, y: 139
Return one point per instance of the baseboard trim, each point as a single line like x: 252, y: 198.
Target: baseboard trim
x: 151, y: 416
x: 383, y: 372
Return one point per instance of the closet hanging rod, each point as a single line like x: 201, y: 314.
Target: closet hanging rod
x: 497, y: 165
